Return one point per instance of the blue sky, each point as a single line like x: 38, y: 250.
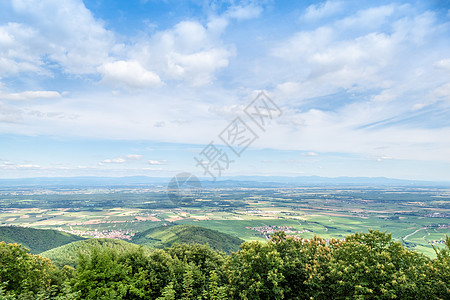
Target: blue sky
x: 119, y: 88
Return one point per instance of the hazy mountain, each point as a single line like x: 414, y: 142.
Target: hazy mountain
x: 133, y: 181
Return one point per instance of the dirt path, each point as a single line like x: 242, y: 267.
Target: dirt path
x: 407, y: 236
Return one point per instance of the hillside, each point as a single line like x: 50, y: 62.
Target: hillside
x: 37, y: 240
x: 165, y: 236
x: 68, y: 254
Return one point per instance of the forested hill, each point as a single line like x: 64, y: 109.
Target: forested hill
x: 41, y: 240
x: 68, y: 254
x: 37, y: 240
x: 166, y: 236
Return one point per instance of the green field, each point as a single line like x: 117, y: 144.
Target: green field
x: 416, y: 216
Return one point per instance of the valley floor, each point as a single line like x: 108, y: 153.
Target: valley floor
x: 418, y: 217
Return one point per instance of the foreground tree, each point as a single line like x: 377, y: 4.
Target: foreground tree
x: 254, y: 272
x: 362, y: 266
x: 372, y: 265
x: 439, y: 274
x: 305, y: 266
x: 24, y: 273
x: 102, y: 275
x: 181, y: 271
x: 283, y: 268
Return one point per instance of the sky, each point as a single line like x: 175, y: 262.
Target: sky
x: 125, y: 88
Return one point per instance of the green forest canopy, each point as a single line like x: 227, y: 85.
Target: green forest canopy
x: 36, y: 240
x: 166, y: 236
x: 363, y: 265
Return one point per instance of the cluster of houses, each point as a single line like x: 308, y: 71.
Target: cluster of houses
x: 110, y: 234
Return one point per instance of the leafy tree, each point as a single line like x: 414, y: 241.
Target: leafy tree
x: 21, y: 272
x: 372, y: 265
x: 363, y: 266
x: 205, y: 258
x: 168, y: 293
x: 161, y: 270
x: 254, y: 272
x: 439, y: 275
x: 101, y: 275
x: 214, y: 291
x: 305, y: 265
x: 188, y: 283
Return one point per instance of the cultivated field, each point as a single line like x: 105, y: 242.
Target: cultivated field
x: 416, y: 216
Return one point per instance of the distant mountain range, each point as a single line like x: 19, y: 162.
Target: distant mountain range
x: 318, y: 180
x: 85, y: 181
x: 224, y: 181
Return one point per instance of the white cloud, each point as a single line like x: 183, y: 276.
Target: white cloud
x: 244, y: 12
x: 370, y: 18
x: 118, y: 160
x: 322, y: 10
x: 198, y: 68
x: 189, y: 52
x: 75, y: 41
x: 28, y: 166
x: 121, y: 160
x: 311, y: 153
x: 128, y: 73
x: 10, y: 114
x: 216, y: 26
x: 17, y: 54
x: 30, y: 95
x: 71, y: 37
x: 332, y: 64
x: 188, y: 35
x: 383, y: 157
x: 152, y: 169
x: 443, y: 64
x: 356, y: 55
x: 156, y: 162
x: 304, y: 44
x: 440, y: 93
x: 134, y: 156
